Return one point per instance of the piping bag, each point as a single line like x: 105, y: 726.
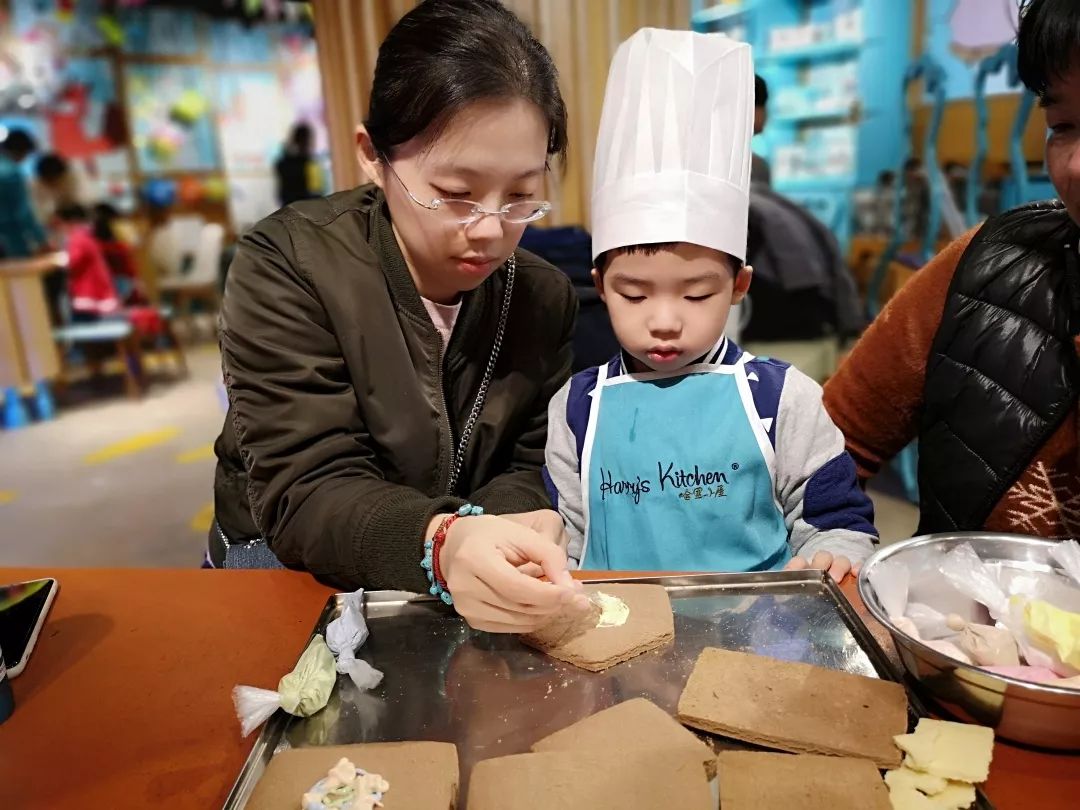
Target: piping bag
x: 344, y: 635
x: 302, y: 692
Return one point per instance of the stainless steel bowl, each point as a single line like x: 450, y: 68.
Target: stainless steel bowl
x: 1035, y: 714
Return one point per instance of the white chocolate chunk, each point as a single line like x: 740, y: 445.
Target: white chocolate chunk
x: 910, y: 799
x: 904, y: 778
x: 955, y: 796
x: 952, y: 750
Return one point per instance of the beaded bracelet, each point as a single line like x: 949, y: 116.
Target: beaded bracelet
x: 432, y: 547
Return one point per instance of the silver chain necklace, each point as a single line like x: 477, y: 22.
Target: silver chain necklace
x: 481, y: 395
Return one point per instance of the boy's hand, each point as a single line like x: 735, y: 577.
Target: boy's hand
x: 838, y: 567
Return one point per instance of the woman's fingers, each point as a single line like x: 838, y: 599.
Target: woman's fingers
x: 479, y: 590
x: 489, y: 614
x: 531, y: 569
x: 796, y: 564
x: 545, y: 522
x: 499, y: 627
x: 513, y: 587
x: 822, y: 561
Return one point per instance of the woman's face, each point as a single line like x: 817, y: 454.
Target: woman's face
x: 491, y: 153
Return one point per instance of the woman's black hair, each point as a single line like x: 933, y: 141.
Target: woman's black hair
x: 446, y: 54
x: 1048, y: 40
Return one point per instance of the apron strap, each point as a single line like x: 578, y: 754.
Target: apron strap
x: 586, y: 453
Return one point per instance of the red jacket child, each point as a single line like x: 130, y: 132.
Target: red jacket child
x: 90, y: 287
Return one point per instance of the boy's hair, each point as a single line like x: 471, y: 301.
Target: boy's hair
x: 1048, y: 41
x: 604, y: 259
x: 72, y: 213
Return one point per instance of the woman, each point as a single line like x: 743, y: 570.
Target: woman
x: 977, y: 355
x: 389, y: 356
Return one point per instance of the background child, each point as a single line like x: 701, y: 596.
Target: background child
x: 684, y: 452
x: 118, y: 255
x: 91, y: 294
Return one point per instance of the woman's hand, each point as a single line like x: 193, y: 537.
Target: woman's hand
x: 545, y: 522
x: 480, y: 561
x: 838, y: 567
x: 548, y: 524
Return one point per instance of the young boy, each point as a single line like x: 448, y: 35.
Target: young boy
x: 684, y: 452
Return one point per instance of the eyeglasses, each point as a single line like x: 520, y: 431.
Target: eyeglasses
x: 467, y: 212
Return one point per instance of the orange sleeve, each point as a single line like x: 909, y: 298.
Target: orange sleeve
x: 876, y: 395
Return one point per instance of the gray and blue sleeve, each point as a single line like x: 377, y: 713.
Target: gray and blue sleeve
x: 824, y: 507
x: 562, y: 474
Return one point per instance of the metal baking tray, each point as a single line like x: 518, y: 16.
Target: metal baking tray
x: 492, y: 696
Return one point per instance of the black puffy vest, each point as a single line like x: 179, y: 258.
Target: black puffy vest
x: 1003, y: 372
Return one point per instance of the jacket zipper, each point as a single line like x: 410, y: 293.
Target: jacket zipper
x: 440, y: 379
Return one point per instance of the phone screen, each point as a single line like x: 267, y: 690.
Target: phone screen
x: 21, y: 606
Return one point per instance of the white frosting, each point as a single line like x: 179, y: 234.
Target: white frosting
x: 613, y: 611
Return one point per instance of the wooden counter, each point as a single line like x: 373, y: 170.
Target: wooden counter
x: 126, y: 701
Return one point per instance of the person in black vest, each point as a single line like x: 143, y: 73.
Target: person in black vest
x: 976, y: 357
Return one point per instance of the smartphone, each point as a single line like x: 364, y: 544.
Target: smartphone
x: 23, y: 608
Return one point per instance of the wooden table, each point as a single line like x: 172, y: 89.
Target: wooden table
x: 125, y: 702
x: 27, y: 351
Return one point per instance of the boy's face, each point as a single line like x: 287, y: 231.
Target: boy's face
x: 670, y: 308
x: 1062, y: 106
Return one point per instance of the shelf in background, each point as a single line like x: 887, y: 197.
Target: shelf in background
x: 818, y: 116
x: 813, y: 53
x: 722, y: 11
x: 823, y: 184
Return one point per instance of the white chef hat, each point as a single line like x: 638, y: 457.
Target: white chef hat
x: 673, y: 153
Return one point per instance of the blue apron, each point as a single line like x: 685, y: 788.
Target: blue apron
x: 678, y: 474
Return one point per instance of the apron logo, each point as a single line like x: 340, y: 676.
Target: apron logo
x: 609, y: 486
x: 681, y: 479
x: 694, y: 484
